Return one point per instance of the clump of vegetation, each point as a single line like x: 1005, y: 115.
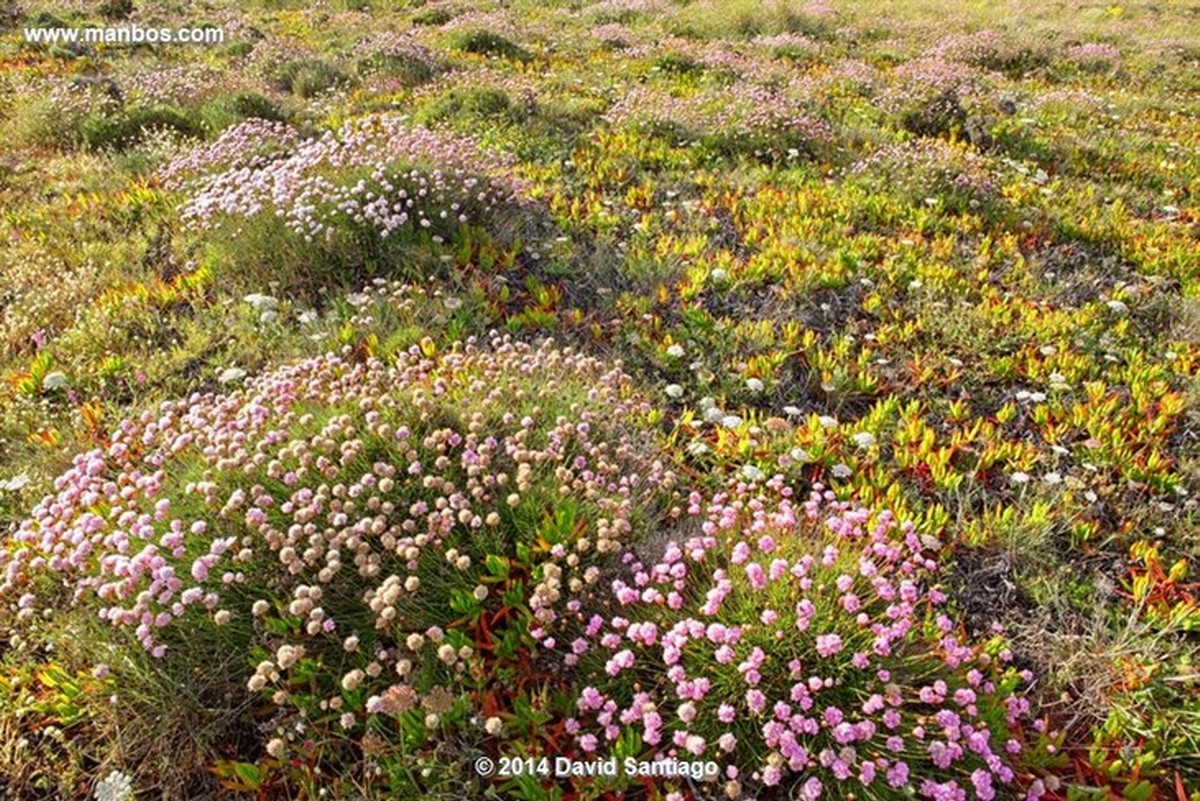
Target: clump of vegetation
x: 489, y: 43
x: 374, y: 193
x: 309, y: 77
x: 375, y: 567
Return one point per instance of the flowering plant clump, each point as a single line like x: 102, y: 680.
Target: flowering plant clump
x: 804, y: 646
x: 988, y: 50
x: 249, y: 145
x: 745, y: 117
x: 376, y: 193
x: 398, y: 55
x: 377, y: 174
x: 932, y: 172
x: 377, y: 538
x: 1093, y: 56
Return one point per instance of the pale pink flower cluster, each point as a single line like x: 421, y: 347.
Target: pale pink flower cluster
x: 376, y: 174
x: 803, y: 644
x: 249, y: 145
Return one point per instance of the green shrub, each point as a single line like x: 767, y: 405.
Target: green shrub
x: 474, y: 102
x: 309, y: 77
x: 487, y: 43
x: 121, y: 130
x: 220, y: 114
x: 433, y: 17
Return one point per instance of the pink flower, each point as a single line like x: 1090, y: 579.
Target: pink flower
x: 828, y: 644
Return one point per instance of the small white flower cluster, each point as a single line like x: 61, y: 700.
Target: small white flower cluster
x: 116, y: 786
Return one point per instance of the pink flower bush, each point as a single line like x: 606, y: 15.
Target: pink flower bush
x: 806, y: 644
x: 376, y: 176
x: 249, y: 145
x: 351, y: 519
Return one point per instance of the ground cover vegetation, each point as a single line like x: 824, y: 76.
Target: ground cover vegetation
x: 809, y: 387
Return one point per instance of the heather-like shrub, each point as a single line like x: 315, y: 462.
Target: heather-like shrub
x: 58, y: 109
x: 369, y: 195
x: 804, y: 647
x: 466, y: 104
x: 930, y: 96
x: 217, y: 115
x: 370, y: 542
x: 127, y: 128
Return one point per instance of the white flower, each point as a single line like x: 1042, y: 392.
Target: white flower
x: 841, y: 471
x: 116, y: 786
x: 731, y: 421
x: 754, y: 385
x: 493, y: 726
x: 792, y: 411
x: 276, y: 748
x: 800, y: 455
x: 1117, y: 306
x: 864, y: 439
x: 1052, y: 478
x: 231, y: 375
x: 697, y: 449
x: 1019, y: 478
x: 261, y: 302
x: 352, y: 679
x: 713, y: 415
x: 55, y: 380
x: 718, y: 276
x: 752, y: 473
x: 358, y: 299
x: 674, y: 390
x: 827, y: 421
x: 675, y: 351
x: 15, y: 483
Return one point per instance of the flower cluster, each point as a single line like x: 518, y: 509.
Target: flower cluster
x: 1094, y: 56
x: 932, y: 171
x: 805, y: 644
x: 746, y: 115
x: 398, y: 54
x: 185, y: 84
x: 249, y: 145
x: 985, y: 49
x: 371, y: 511
x: 378, y: 175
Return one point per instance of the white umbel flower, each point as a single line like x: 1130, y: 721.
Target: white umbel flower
x: 116, y: 786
